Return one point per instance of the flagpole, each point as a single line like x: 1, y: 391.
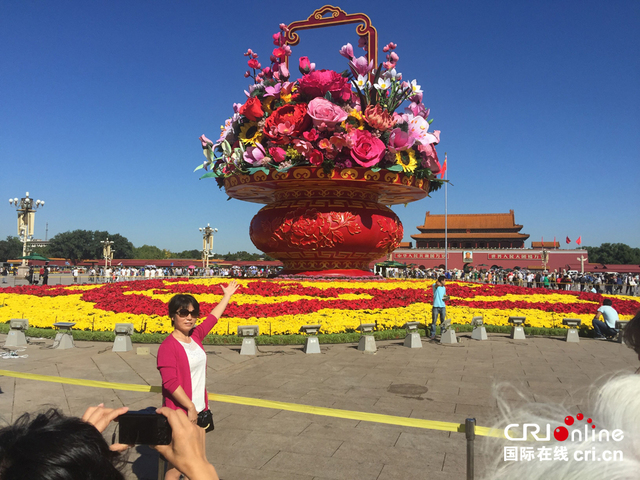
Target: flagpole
x: 446, y: 243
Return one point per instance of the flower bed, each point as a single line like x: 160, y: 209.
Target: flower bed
x: 282, y: 306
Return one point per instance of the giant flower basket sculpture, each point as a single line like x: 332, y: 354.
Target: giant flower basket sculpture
x: 327, y: 154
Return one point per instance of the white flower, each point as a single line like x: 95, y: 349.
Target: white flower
x: 382, y: 84
x: 415, y: 88
x: 362, y: 82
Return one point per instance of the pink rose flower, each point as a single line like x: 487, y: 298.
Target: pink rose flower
x: 367, y: 149
x: 400, y: 140
x: 325, y: 114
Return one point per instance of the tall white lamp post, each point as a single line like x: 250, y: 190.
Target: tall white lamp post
x: 107, y: 252
x: 26, y: 208
x: 207, y: 244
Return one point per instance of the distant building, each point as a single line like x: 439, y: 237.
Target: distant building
x: 486, y: 230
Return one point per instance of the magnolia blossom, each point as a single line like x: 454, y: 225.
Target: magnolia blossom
x: 347, y: 51
x: 361, y: 66
x: 255, y: 155
x: 205, y: 141
x: 419, y: 128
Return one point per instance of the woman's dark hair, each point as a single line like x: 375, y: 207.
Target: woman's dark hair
x: 182, y: 301
x: 631, y: 333
x: 52, y: 446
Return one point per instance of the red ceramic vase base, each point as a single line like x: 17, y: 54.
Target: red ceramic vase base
x: 326, y: 223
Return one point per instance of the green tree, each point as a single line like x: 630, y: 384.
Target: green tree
x: 615, y: 253
x: 148, y: 251
x: 76, y: 245
x: 122, y: 247
x: 191, y: 254
x: 10, y: 249
x: 246, y: 256
x: 80, y: 245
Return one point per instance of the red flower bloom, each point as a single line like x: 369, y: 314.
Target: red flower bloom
x: 286, y: 122
x: 319, y: 82
x: 252, y: 109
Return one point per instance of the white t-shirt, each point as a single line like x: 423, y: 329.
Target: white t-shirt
x: 197, y: 366
x: 610, y: 315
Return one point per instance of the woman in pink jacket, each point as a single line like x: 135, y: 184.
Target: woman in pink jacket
x: 182, y: 360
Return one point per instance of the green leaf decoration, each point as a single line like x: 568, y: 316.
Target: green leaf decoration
x: 199, y: 167
x: 430, y: 121
x: 258, y: 169
x: 376, y: 169
x: 395, y: 168
x: 209, y: 175
x: 328, y: 96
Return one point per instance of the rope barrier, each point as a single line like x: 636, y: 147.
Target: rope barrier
x: 256, y: 402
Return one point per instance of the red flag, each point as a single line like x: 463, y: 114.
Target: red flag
x: 444, y: 166
x: 579, y: 240
x: 568, y: 240
x: 554, y: 242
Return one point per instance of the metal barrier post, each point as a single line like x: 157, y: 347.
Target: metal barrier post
x: 470, y: 433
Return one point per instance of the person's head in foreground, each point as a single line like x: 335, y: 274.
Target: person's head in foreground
x: 53, y: 446
x: 609, y: 451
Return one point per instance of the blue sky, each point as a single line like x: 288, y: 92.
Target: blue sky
x: 102, y: 104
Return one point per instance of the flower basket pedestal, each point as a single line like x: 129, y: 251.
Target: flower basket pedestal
x: 331, y: 223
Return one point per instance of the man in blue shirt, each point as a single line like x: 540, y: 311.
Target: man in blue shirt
x: 439, y: 307
x: 608, y: 327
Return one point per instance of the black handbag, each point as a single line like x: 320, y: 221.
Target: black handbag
x: 205, y: 420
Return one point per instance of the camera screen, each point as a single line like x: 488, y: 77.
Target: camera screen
x: 144, y: 429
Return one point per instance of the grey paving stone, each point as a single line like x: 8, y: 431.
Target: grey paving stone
x: 333, y: 468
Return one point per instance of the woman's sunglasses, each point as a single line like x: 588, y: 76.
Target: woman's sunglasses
x: 184, y: 313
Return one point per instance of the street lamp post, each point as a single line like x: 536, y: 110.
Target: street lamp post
x: 582, y: 259
x: 26, y: 208
x: 107, y: 252
x: 207, y: 244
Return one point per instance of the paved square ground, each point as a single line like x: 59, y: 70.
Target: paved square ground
x: 436, y: 382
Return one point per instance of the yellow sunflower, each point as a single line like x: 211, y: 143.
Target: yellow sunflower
x: 266, y: 104
x: 407, y: 159
x: 250, y: 133
x: 355, y: 119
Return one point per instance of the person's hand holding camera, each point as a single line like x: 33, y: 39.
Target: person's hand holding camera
x: 100, y: 417
x: 186, y: 450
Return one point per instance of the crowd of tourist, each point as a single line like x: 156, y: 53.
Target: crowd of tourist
x: 610, y: 283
